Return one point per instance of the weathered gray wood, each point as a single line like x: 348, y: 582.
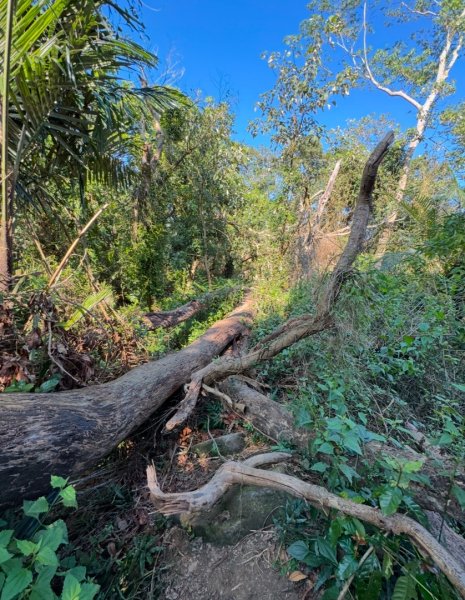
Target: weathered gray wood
x: 67, y: 432
x: 170, y: 318
x: 246, y: 473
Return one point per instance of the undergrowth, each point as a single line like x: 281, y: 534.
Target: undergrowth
x: 392, y: 367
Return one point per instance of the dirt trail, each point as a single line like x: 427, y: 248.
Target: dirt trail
x: 201, y: 571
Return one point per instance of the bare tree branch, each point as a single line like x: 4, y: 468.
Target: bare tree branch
x: 247, y: 473
x: 374, y: 81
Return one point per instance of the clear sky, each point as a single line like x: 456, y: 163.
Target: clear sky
x: 218, y: 44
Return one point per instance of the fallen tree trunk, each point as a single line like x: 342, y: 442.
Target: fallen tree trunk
x: 273, y: 420
x: 247, y: 473
x: 67, y: 432
x: 306, y: 325
x: 170, y: 318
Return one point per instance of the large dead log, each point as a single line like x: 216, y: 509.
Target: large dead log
x: 273, y: 420
x: 170, y: 318
x: 246, y: 473
x: 67, y: 432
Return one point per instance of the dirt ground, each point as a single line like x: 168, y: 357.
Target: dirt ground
x: 246, y: 571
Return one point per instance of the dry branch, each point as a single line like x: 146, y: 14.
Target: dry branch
x: 296, y: 329
x: 64, y: 261
x: 247, y: 473
x: 173, y: 317
x: 67, y: 432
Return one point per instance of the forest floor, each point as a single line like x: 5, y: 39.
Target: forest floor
x: 244, y: 571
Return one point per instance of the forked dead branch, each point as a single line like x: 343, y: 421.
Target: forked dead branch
x: 246, y: 473
x: 306, y: 325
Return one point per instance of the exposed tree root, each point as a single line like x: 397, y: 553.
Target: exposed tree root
x: 300, y: 327
x: 247, y: 473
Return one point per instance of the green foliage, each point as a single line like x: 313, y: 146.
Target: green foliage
x: 361, y: 383
x: 31, y: 567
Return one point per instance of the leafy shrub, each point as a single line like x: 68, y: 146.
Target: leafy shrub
x: 29, y: 564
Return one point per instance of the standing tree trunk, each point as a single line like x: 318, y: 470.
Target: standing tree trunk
x: 6, y: 239
x: 150, y: 158
x: 6, y: 174
x: 450, y: 52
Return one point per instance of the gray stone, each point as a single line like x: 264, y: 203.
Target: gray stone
x: 224, y: 445
x: 241, y: 510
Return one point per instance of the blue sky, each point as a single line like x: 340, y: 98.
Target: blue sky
x: 218, y: 44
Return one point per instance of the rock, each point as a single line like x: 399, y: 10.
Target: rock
x: 241, y: 510
x: 225, y: 445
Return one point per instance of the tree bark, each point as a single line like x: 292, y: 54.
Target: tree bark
x: 314, y: 234
x: 6, y: 246
x: 6, y: 172
x: 67, y: 432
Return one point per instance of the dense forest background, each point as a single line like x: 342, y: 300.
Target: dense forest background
x: 123, y: 200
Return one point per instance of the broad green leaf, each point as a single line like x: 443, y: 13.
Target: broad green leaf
x: 335, y: 531
x: 444, y: 439
x: 303, y: 418
x: 387, y: 568
x: 26, y: 547
x: 68, y: 496
x: 34, y: 508
x: 89, y: 591
x: 298, y: 550
x: 404, y: 589
x: 347, y: 567
x: 415, y: 510
x: 369, y: 566
x: 412, y: 466
x: 46, y: 556
x: 371, y: 589
x: 71, y: 588
x: 58, y: 482
x: 18, y: 387
x: 352, y: 443
x: 41, y: 589
x: 324, y: 548
x: 459, y: 386
x: 331, y: 593
x: 5, y: 537
x: 12, y: 565
x: 326, y: 448
x: 16, y: 582
x: 49, y: 385
x: 4, y: 555
x: 390, y: 500
x: 78, y: 572
x: 53, y: 535
x: 348, y: 472
x: 459, y: 494
x: 319, y: 467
